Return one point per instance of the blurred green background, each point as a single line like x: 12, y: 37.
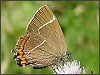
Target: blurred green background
x: 79, y: 22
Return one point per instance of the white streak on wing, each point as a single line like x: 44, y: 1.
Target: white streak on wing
x: 35, y: 64
x: 37, y: 46
x: 28, y: 57
x: 47, y: 22
x: 33, y: 17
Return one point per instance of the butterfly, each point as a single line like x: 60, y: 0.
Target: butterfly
x: 43, y: 44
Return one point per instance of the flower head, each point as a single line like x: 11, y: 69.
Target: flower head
x: 69, y: 68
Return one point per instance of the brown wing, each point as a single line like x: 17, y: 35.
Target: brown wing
x: 47, y: 40
x: 39, y: 50
x: 38, y: 20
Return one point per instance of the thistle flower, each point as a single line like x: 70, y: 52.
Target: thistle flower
x: 69, y: 68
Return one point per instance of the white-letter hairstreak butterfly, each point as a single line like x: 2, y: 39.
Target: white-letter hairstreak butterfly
x: 43, y: 44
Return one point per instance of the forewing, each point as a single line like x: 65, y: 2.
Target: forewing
x: 38, y: 20
x: 45, y: 23
x: 47, y: 40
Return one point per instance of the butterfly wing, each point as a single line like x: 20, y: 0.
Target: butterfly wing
x: 46, y: 42
x: 38, y: 51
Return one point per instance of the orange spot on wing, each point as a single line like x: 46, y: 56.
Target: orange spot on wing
x: 19, y: 49
x: 23, y: 62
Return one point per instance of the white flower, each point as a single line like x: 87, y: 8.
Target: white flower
x: 69, y: 68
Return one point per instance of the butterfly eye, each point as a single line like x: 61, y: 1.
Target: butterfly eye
x: 68, y: 54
